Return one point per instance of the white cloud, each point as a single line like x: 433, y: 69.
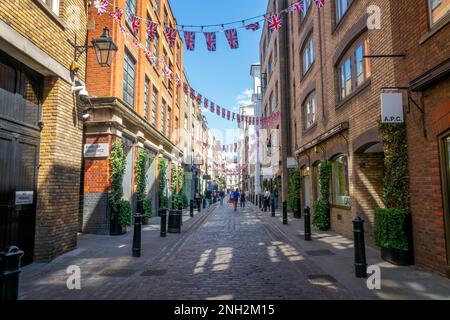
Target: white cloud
x: 243, y: 99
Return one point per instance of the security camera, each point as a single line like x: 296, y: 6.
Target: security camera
x: 84, y: 95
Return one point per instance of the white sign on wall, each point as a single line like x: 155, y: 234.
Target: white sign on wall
x: 392, y: 108
x: 24, y: 197
x: 98, y: 150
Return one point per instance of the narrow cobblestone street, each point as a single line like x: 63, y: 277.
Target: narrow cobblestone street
x: 220, y: 254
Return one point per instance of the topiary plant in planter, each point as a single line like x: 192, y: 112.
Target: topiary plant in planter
x: 393, y: 224
x: 124, y: 216
x: 147, y: 206
x: 321, y: 216
x: 294, y: 189
x: 117, y: 162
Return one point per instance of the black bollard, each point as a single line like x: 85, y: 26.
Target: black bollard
x: 137, y: 235
x: 163, y: 215
x: 307, y: 224
x: 191, y: 208
x: 285, y: 216
x: 199, y: 204
x: 272, y: 207
x: 204, y: 203
x: 260, y: 201
x: 360, y: 248
x: 10, y: 270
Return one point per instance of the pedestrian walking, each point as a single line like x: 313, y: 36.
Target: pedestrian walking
x: 235, y: 197
x: 221, y: 195
x: 275, y: 197
x: 266, y: 199
x: 208, y: 196
x: 243, y: 195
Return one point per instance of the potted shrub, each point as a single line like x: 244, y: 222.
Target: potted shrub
x: 391, y: 233
x: 118, y: 207
x: 393, y: 224
x: 147, y: 206
x: 321, y: 207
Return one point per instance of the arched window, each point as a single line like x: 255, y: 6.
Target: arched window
x: 340, y: 190
x: 310, y: 111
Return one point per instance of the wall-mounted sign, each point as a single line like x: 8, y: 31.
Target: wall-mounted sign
x: 98, y: 150
x: 392, y: 108
x: 24, y: 197
x: 291, y: 163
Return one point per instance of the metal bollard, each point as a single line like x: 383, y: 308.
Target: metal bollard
x: 10, y: 270
x: 137, y: 235
x: 307, y: 224
x: 360, y: 248
x: 199, y: 204
x: 191, y: 208
x: 163, y: 215
x: 285, y: 216
x: 260, y: 201
x: 272, y: 207
x: 204, y: 203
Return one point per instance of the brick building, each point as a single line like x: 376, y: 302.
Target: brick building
x: 135, y: 101
x: 423, y: 33
x: 340, y: 65
x: 40, y: 125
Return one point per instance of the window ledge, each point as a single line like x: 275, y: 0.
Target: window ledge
x: 438, y: 26
x: 310, y: 129
x: 305, y: 75
x: 51, y: 14
x: 353, y: 94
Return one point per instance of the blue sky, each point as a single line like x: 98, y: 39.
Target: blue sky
x: 222, y: 76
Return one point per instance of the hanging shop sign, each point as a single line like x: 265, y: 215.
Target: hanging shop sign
x: 392, y: 107
x: 99, y: 150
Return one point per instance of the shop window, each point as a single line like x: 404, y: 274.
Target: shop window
x: 341, y: 195
x: 316, y: 181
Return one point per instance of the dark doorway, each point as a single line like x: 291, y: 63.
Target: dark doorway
x: 20, y: 97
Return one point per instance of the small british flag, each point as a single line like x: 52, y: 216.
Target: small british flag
x: 274, y: 23
x: 320, y: 3
x: 228, y: 115
x: 218, y: 110
x: 210, y: 40
x: 185, y: 88
x: 189, y: 38
x: 101, y: 6
x: 206, y: 103
x: 135, y: 25
x: 193, y: 96
x: 232, y: 38
x: 117, y: 16
x: 171, y: 35
x: 152, y: 30
x: 199, y: 99
x: 212, y: 107
x: 298, y: 6
x: 223, y: 113
x: 253, y: 26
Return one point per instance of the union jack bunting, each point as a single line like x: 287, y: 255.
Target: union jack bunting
x: 233, y: 117
x: 210, y: 41
x: 212, y: 107
x: 218, y: 110
x: 117, y: 16
x: 101, y: 6
x: 320, y: 3
x: 253, y: 26
x: 205, y: 103
x: 199, y: 98
x: 171, y: 35
x: 135, y: 25
x: 152, y: 30
x: 228, y: 115
x: 232, y: 38
x: 223, y: 113
x: 189, y: 38
x: 185, y: 88
x: 274, y: 23
x: 298, y: 6
x: 193, y: 96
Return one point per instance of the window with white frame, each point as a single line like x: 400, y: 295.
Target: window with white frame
x: 341, y: 8
x: 308, y: 55
x: 146, y: 98
x: 354, y: 69
x: 438, y: 9
x: 310, y: 111
x: 129, y: 68
x: 53, y: 5
x: 154, y: 106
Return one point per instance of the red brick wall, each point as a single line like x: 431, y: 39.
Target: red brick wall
x: 97, y: 170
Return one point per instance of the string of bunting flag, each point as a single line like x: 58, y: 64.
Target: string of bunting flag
x: 274, y: 22
x: 265, y: 122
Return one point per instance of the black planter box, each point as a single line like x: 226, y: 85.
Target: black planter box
x: 116, y: 230
x: 397, y: 257
x: 174, y: 224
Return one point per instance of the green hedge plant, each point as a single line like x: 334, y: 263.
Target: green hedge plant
x: 294, y: 189
x: 388, y: 229
x: 147, y: 206
x: 124, y: 216
x: 117, y: 162
x: 321, y: 217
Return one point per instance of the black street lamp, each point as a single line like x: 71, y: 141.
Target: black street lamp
x: 103, y: 45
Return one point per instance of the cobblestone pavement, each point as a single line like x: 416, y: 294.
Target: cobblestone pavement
x: 220, y: 254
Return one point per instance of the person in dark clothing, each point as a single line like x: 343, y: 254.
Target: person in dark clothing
x: 221, y: 195
x: 243, y: 195
x: 208, y: 196
x: 235, y: 196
